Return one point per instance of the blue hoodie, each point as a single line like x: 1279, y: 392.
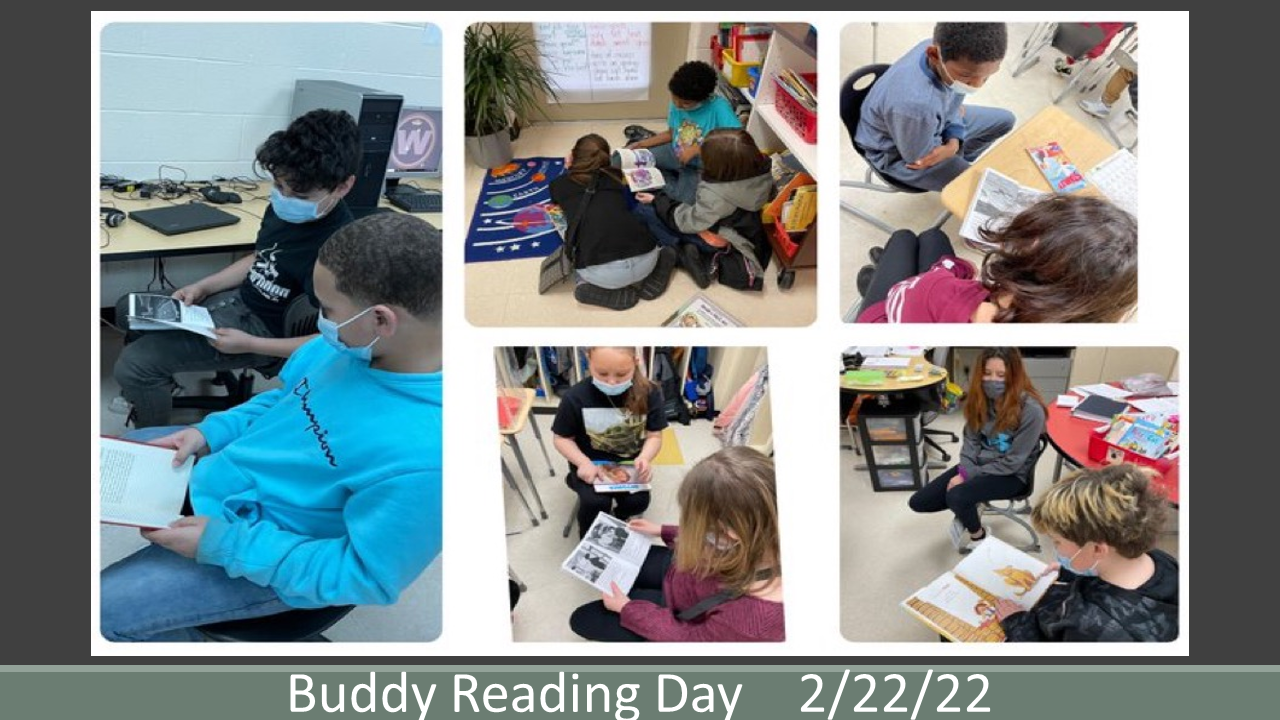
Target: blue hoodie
x: 326, y: 490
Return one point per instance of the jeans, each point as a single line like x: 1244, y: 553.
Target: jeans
x: 964, y: 498
x: 983, y: 126
x: 681, y: 180
x: 594, y: 621
x: 620, y: 273
x: 149, y: 360
x: 157, y: 595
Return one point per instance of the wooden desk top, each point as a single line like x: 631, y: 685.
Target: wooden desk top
x: 897, y: 384
x: 1085, y: 147
x: 135, y: 241
x: 1069, y: 435
x: 521, y: 416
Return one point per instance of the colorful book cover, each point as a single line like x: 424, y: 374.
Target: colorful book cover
x: 1062, y: 174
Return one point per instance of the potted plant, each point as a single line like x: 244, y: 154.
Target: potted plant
x: 504, y: 83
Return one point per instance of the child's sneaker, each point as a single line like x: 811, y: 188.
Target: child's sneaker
x: 119, y: 405
x: 865, y: 276
x: 1096, y: 108
x: 1061, y: 67
x: 620, y: 299
x: 656, y: 283
x: 959, y: 536
x: 691, y: 260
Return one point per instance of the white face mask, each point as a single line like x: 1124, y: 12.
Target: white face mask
x: 955, y: 84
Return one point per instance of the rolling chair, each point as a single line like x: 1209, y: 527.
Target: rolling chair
x: 1015, y: 508
x: 306, y: 625
x: 299, y: 320
x: 851, y: 99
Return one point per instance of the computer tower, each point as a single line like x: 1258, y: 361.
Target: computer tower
x: 376, y: 113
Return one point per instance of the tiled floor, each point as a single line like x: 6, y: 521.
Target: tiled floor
x: 889, y: 552
x: 415, y: 617
x: 505, y: 293
x: 1025, y: 95
x: 534, y: 554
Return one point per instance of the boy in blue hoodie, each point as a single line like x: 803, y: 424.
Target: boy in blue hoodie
x: 325, y: 491
x: 915, y: 126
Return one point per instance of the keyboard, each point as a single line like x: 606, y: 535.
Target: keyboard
x: 415, y: 200
x: 1117, y: 178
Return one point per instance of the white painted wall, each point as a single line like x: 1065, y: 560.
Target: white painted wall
x: 203, y: 96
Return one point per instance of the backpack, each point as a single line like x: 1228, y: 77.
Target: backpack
x: 667, y: 378
x: 697, y: 387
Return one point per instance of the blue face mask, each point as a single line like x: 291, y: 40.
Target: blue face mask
x: 993, y: 388
x: 611, y: 390
x: 1066, y: 563
x: 329, y: 331
x: 295, y: 210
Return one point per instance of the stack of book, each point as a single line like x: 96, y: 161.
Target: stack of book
x: 799, y: 88
x: 799, y: 212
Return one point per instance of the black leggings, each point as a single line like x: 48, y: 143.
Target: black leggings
x: 905, y: 255
x: 622, y: 505
x: 964, y: 498
x: 594, y: 621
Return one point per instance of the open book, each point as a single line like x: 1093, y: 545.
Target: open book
x: 153, y: 311
x: 638, y: 167
x: 139, y: 485
x: 701, y: 312
x: 610, y: 552
x: 619, y: 478
x: 998, y: 198
x: 960, y: 604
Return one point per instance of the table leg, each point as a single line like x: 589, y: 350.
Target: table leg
x: 1057, y: 468
x: 511, y: 482
x: 528, y: 476
x: 542, y: 444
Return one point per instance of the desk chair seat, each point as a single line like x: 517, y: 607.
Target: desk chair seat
x: 1019, y: 506
x: 851, y: 99
x: 292, y: 626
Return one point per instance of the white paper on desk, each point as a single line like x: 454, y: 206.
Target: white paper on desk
x: 868, y: 351
x: 886, y: 362
x: 1068, y: 401
x: 1102, y: 389
x: 907, y: 350
x: 1159, y: 405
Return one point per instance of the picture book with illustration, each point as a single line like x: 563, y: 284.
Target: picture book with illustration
x: 610, y: 552
x: 700, y: 312
x: 618, y: 478
x: 1057, y: 168
x: 153, y: 311
x: 639, y: 169
x: 960, y: 604
x: 139, y: 485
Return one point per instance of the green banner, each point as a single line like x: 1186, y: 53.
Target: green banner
x: 637, y: 692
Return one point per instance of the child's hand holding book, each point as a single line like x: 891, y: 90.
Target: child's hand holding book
x: 645, y: 527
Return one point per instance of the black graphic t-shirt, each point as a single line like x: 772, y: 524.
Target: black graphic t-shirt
x: 284, y: 256
x: 601, y: 425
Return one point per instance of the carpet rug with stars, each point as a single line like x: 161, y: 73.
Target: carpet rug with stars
x: 514, y: 218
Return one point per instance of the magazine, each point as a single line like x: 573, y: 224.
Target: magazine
x: 609, y: 553
x: 1057, y: 168
x: 153, y: 311
x: 701, y: 312
x: 620, y: 477
x: 998, y: 198
x: 960, y: 604
x: 639, y: 169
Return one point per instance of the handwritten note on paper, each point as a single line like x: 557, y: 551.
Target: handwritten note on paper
x: 596, y: 62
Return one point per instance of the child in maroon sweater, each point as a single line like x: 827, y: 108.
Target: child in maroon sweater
x: 722, y: 582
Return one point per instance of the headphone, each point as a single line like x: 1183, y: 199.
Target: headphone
x: 112, y: 217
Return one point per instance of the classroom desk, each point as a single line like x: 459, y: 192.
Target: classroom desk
x: 135, y: 241
x: 1069, y: 435
x: 1083, y: 146
x: 896, y: 384
x: 520, y: 418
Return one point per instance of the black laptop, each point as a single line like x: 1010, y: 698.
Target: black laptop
x: 178, y: 219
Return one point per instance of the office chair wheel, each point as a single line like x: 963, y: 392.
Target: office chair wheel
x: 786, y: 278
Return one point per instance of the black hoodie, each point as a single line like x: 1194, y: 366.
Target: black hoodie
x: 1090, y: 609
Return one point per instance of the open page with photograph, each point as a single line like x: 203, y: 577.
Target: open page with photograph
x: 609, y: 553
x: 618, y: 478
x: 998, y: 198
x: 153, y: 311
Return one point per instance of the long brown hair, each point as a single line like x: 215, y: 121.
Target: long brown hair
x: 730, y: 154
x: 1016, y: 385
x: 637, y: 396
x: 589, y: 155
x: 730, y: 491
x: 1065, y: 259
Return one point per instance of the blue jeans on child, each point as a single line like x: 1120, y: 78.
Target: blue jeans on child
x: 157, y: 595
x: 983, y: 127
x: 618, y: 274
x: 681, y: 181
x: 665, y: 235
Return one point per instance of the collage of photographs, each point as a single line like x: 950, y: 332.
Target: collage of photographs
x: 282, y: 281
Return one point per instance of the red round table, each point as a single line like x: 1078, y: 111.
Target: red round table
x: 1070, y: 437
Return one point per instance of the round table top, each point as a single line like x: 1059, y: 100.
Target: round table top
x: 916, y: 375
x: 1069, y: 435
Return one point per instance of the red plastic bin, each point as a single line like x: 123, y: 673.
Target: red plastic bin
x: 802, y: 120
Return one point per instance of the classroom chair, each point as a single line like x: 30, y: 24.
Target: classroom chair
x: 299, y: 320
x: 1016, y: 507
x: 1074, y: 40
x: 306, y: 625
x: 851, y: 99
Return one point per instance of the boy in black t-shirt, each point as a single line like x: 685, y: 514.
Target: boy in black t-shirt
x: 312, y: 165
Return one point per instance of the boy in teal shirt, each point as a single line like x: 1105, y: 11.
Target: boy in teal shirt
x: 325, y: 491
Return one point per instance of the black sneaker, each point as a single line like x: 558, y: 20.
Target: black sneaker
x: 636, y: 133
x: 875, y: 254
x: 864, y: 278
x: 656, y: 284
x: 620, y: 299
x: 691, y: 260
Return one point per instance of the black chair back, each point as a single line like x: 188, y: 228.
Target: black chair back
x: 1041, y: 445
x: 851, y: 99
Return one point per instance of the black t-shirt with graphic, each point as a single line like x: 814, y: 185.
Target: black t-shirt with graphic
x: 284, y: 256
x: 601, y: 425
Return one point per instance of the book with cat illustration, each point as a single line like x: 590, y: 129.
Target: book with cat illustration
x: 639, y: 169
x: 960, y: 604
